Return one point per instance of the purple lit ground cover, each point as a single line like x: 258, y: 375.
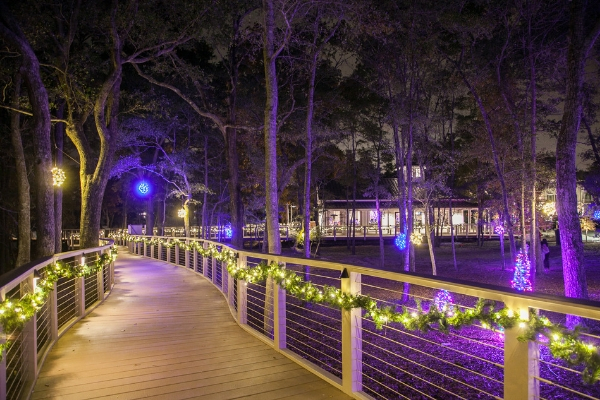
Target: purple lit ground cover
x: 465, y: 364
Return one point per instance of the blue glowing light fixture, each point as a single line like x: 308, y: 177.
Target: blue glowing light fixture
x: 597, y: 215
x: 143, y: 188
x: 400, y: 241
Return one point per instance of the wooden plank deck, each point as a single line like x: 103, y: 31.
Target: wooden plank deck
x: 166, y: 333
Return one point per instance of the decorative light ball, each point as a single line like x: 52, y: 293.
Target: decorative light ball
x: 416, y: 238
x: 597, y: 215
x: 499, y: 229
x: 143, y: 188
x: 400, y: 241
x: 550, y: 209
x: 181, y: 213
x: 228, y: 231
x: 443, y: 301
x: 58, y: 176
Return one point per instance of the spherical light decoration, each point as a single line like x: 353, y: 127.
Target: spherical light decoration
x: 143, y: 188
x: 443, y: 301
x: 499, y: 229
x: 416, y: 238
x: 597, y: 215
x: 549, y: 209
x: 228, y: 231
x: 181, y: 213
x: 58, y: 176
x: 400, y: 241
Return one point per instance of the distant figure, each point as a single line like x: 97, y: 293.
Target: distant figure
x: 546, y: 252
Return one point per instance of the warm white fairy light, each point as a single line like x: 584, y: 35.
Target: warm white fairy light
x: 181, y: 213
x: 416, y: 238
x: 58, y: 176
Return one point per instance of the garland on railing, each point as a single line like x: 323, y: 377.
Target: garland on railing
x: 14, y: 313
x: 564, y: 344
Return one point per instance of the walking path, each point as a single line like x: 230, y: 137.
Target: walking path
x: 167, y: 333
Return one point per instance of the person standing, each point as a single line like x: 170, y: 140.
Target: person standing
x: 546, y: 252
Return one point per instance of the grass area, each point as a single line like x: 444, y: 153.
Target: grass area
x: 477, y: 264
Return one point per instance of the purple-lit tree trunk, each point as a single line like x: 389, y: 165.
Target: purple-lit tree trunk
x: 59, y: 135
x: 566, y: 181
x: 270, y: 129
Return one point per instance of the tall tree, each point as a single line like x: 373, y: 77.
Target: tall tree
x: 581, y: 42
x: 24, y: 237
x: 11, y: 33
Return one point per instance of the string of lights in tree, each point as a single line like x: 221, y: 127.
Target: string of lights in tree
x: 400, y: 241
x: 564, y: 344
x: 14, y: 313
x: 521, y: 279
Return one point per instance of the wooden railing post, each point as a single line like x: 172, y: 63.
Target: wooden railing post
x: 521, y: 364
x: 242, y: 295
x: 176, y: 247
x: 187, y: 253
x: 100, y: 279
x: 204, y: 260
x: 351, y: 336
x: 53, y: 313
x: 230, y: 290
x: 279, y: 318
x: 29, y: 344
x: 169, y: 250
x: 195, y: 260
x: 159, y: 251
x: 152, y: 250
x: 213, y: 267
x: 80, y: 290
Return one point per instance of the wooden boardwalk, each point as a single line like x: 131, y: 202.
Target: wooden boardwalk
x: 166, y: 333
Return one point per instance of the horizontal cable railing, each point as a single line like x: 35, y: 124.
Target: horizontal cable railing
x: 398, y: 342
x: 40, y: 301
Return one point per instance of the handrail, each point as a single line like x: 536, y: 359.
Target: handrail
x: 522, y: 377
x: 24, y: 349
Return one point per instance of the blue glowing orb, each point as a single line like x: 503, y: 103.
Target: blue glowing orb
x: 597, y: 215
x: 228, y: 232
x: 400, y: 241
x: 143, y: 188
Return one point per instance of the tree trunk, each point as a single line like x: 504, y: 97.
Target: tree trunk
x: 92, y: 193
x: 24, y: 202
x: 566, y: 181
x: 42, y: 149
x: 59, y: 134
x: 150, y: 216
x: 272, y: 203
x: 308, y: 153
x: 430, y: 236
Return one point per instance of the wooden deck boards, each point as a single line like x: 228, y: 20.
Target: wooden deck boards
x: 165, y: 333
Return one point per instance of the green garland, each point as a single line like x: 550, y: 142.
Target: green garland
x: 14, y: 313
x: 564, y: 344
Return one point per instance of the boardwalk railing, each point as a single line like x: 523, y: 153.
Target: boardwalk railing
x: 347, y: 349
x: 70, y: 300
